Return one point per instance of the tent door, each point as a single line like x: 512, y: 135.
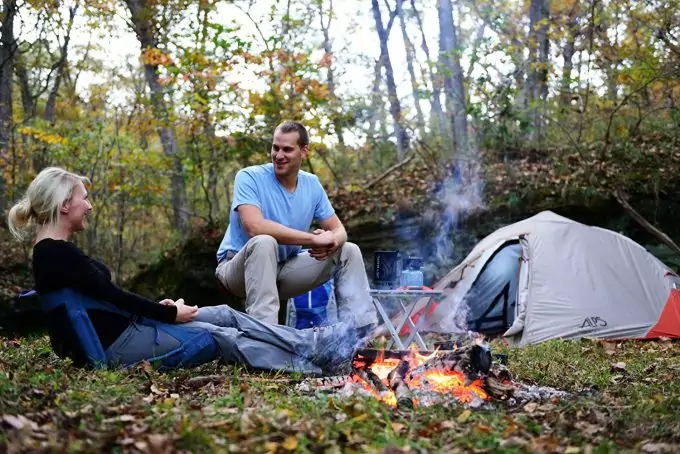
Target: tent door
x: 513, y: 334
x: 493, y: 294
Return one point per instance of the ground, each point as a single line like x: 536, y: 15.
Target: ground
x: 623, y: 397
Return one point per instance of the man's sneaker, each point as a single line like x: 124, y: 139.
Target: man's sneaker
x: 366, y: 333
x: 333, y: 345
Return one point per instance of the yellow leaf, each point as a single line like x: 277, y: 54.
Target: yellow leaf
x: 271, y: 447
x: 291, y: 443
x: 464, y: 416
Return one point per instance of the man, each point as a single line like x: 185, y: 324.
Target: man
x: 272, y: 211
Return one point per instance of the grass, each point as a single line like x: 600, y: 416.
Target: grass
x: 623, y: 396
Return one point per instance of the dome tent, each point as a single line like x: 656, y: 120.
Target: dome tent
x: 571, y: 280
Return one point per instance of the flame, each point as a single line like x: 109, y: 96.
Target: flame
x: 445, y: 382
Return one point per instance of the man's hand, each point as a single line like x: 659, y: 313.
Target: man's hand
x: 327, y: 244
x: 185, y: 313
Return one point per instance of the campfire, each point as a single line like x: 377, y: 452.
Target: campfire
x: 464, y: 373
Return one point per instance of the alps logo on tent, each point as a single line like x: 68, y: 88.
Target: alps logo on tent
x: 594, y: 322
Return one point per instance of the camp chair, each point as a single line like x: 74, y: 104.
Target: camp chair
x: 196, y: 346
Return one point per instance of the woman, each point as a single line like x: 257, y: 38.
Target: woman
x: 57, y: 202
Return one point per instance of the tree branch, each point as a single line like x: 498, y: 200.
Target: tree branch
x: 621, y: 197
x: 382, y: 176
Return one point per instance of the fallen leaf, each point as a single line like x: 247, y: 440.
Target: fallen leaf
x: 483, y: 428
x: 19, y: 422
x: 514, y: 442
x: 120, y: 418
x: 291, y: 443
x: 155, y: 390
x: 158, y: 443
x: 619, y: 367
x: 271, y: 447
x: 397, y: 428
x: 448, y: 424
x: 464, y: 416
x: 531, y: 407
x: 654, y: 448
x: 572, y: 450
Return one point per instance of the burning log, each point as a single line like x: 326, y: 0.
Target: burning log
x: 471, y: 361
x: 367, y: 375
x: 398, y: 384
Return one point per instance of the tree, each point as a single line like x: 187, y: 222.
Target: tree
x: 8, y: 48
x: 142, y: 15
x: 395, y: 106
x: 410, y: 59
x: 454, y: 86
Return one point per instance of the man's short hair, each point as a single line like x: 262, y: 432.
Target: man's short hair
x: 292, y: 126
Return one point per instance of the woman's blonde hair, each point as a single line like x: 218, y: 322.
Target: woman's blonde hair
x: 43, y: 200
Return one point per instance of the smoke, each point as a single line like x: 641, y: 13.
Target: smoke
x: 452, y: 314
x: 459, y: 195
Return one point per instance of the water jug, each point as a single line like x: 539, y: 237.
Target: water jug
x: 412, y: 276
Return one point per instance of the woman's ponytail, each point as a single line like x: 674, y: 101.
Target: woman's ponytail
x: 18, y: 218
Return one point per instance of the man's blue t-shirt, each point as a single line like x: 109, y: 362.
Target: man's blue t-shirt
x: 257, y: 185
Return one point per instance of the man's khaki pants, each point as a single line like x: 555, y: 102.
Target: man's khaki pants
x: 255, y: 274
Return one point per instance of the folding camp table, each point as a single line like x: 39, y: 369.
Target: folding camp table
x: 408, y: 299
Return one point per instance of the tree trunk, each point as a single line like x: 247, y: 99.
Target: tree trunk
x: 376, y: 99
x: 395, y: 106
x: 209, y: 129
x: 410, y: 58
x: 61, y: 65
x: 8, y: 48
x: 121, y: 218
x: 144, y: 28
x: 42, y: 159
x: 28, y: 104
x: 449, y: 53
x: 27, y: 98
x: 334, y: 101
x: 568, y: 56
x: 537, y: 81
x: 330, y: 76
x: 437, y: 116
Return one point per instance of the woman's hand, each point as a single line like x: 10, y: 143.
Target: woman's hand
x: 167, y: 302
x: 185, y: 313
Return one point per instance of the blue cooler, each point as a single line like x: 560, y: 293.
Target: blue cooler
x: 311, y: 308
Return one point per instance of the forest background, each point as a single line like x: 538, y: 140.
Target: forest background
x: 534, y: 103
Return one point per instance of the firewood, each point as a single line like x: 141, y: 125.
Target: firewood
x: 398, y: 384
x: 371, y: 355
x: 368, y: 376
x: 470, y: 360
x: 497, y: 389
